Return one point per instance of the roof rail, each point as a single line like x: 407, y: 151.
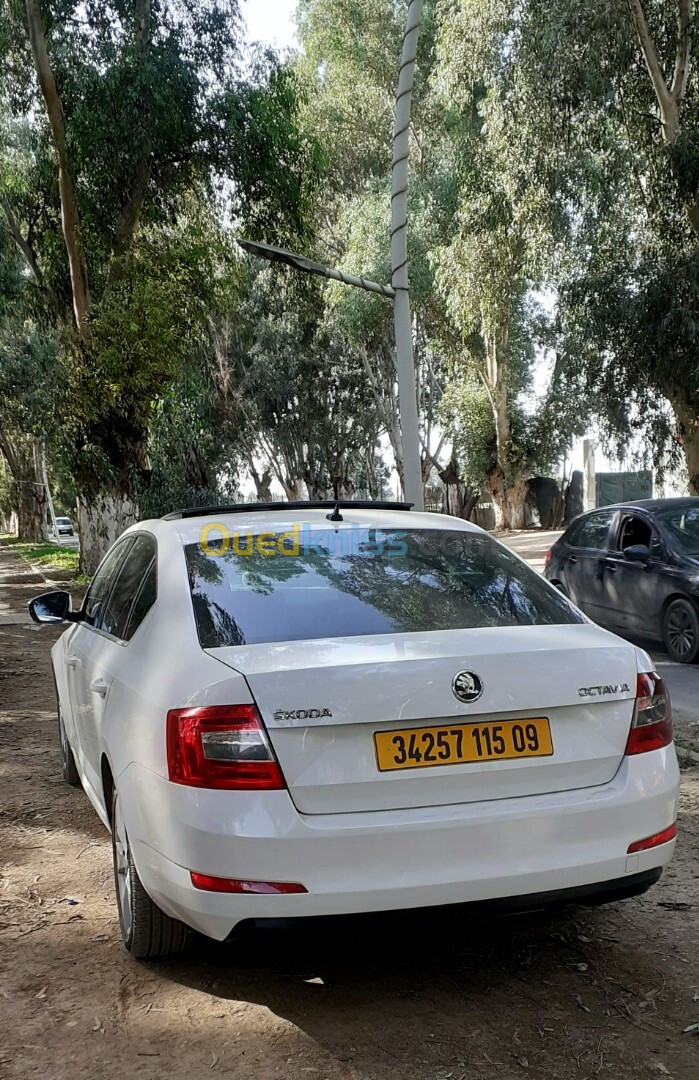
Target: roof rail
x: 282, y: 507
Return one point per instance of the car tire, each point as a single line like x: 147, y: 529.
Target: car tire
x: 68, y: 766
x: 147, y: 932
x: 681, y: 631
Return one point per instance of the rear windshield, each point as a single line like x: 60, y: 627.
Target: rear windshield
x: 303, y: 584
x: 682, y: 524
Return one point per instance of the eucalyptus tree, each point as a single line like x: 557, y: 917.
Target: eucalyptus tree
x: 601, y: 102
x: 508, y: 252
x: 125, y: 120
x: 479, y: 238
x: 29, y: 384
x: 290, y: 389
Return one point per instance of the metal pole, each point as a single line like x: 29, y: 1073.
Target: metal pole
x: 405, y: 359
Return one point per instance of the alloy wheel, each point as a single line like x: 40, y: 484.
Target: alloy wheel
x: 122, y: 869
x: 680, y: 631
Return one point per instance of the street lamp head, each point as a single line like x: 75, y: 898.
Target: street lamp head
x: 277, y: 255
x: 300, y: 262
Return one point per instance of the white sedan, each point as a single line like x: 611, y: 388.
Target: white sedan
x: 305, y: 710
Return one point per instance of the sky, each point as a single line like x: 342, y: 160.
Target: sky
x: 270, y: 22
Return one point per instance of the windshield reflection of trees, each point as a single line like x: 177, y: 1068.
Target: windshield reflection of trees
x: 437, y: 584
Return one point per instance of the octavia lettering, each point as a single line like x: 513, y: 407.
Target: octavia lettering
x: 599, y: 691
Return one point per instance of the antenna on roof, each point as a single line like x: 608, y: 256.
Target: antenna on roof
x: 336, y: 515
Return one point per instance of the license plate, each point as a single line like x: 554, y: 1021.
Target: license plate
x: 457, y: 744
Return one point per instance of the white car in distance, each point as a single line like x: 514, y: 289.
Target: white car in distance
x: 325, y: 709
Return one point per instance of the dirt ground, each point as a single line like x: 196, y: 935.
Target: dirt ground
x: 585, y: 993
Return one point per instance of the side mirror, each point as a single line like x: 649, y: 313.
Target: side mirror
x: 52, y: 607
x: 637, y: 553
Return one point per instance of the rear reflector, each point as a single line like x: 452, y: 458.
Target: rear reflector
x: 233, y: 885
x: 221, y: 746
x: 663, y: 837
x: 651, y: 727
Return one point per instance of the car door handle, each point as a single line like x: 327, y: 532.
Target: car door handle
x: 71, y: 661
x: 99, y: 686
x: 572, y: 558
x: 611, y: 567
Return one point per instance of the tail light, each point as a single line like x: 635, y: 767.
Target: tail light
x: 235, y: 885
x: 656, y: 840
x: 221, y: 746
x: 548, y: 556
x: 651, y: 727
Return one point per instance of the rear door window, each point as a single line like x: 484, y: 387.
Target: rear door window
x: 593, y: 532
x: 146, y: 597
x: 363, y: 581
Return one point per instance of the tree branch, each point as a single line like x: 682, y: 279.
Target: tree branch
x: 10, y: 457
x: 27, y: 251
x: 685, y: 13
x: 69, y: 209
x: 666, y: 100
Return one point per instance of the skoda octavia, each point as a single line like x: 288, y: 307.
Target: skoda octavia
x: 306, y: 710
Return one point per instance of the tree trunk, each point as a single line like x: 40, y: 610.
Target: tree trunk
x: 29, y: 494
x: 293, y: 488
x: 195, y: 470
x: 459, y: 499
x: 31, y: 511
x: 101, y: 520
x: 69, y: 207
x: 508, y: 502
x: 688, y: 432
x: 343, y: 487
x: 263, y: 484
x: 691, y: 453
x: 316, y: 488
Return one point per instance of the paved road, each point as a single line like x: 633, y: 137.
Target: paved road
x: 682, y: 679
x: 68, y: 541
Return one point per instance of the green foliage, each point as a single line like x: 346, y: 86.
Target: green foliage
x: 581, y: 120
x: 160, y: 123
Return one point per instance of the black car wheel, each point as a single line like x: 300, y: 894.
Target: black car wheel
x: 147, y: 932
x: 681, y: 632
x: 68, y: 766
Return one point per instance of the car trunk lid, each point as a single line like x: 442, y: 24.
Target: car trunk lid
x: 322, y: 702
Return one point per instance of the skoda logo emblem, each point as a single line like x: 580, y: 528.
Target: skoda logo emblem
x: 467, y: 686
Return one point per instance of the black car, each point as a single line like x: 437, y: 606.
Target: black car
x: 635, y: 569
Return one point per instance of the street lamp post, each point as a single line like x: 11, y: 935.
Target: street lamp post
x: 405, y: 358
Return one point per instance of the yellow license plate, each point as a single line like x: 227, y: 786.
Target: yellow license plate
x: 456, y: 744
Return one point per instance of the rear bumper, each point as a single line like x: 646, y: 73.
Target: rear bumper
x: 393, y: 860
x: 605, y: 892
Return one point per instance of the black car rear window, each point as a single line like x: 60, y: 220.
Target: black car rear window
x: 682, y: 525
x: 593, y: 531
x: 361, y: 581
